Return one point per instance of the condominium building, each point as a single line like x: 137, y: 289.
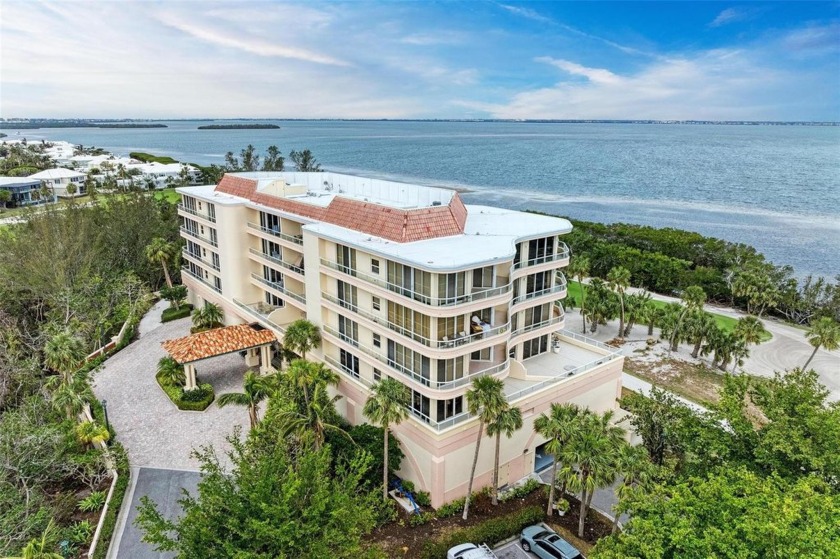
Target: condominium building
x: 407, y: 282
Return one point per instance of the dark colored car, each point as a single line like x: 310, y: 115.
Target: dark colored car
x: 544, y: 542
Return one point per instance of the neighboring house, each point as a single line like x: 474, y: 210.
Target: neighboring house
x: 162, y: 175
x: 407, y: 282
x: 59, y: 179
x: 25, y: 191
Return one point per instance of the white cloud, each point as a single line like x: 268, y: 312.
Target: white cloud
x: 527, y: 13
x: 711, y: 85
x: 436, y: 38
x: 732, y: 15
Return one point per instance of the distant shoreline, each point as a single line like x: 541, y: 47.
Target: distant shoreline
x: 23, y: 124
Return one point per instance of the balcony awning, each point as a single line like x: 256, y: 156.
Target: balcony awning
x: 218, y: 341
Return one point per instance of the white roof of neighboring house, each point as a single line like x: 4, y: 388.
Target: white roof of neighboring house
x: 57, y: 173
x: 12, y: 181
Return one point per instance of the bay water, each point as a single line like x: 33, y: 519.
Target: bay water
x: 774, y: 187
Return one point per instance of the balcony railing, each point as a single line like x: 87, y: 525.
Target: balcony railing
x: 414, y: 295
x: 278, y: 261
x: 538, y: 325
x: 413, y: 375
x: 261, y: 310
x: 561, y: 254
x: 187, y: 254
x: 201, y: 279
x: 280, y: 287
x: 296, y: 239
x: 437, y: 344
x: 199, y: 237
x: 561, y: 286
x: 208, y: 217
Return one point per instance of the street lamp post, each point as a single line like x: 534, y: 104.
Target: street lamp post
x: 105, y: 411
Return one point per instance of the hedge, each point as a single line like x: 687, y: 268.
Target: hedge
x: 171, y: 313
x: 489, y: 532
x: 175, y: 393
x: 123, y: 471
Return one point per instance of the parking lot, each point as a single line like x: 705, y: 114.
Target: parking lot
x: 512, y: 550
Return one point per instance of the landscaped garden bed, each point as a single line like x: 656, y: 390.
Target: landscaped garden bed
x: 171, y: 313
x: 197, y: 399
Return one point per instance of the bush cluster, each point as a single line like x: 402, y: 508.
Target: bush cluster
x: 171, y: 313
x: 188, y: 400
x: 420, y: 519
x: 520, y: 491
x: 489, y: 532
x: 423, y: 498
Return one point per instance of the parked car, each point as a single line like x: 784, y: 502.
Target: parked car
x: 470, y: 551
x: 544, y: 542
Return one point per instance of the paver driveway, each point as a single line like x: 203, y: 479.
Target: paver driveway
x: 155, y: 432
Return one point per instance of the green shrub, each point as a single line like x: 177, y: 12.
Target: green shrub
x: 80, y: 533
x: 408, y: 485
x: 93, y: 502
x: 423, y: 498
x: 520, y: 491
x: 450, y: 509
x: 489, y: 532
x: 420, y: 519
x: 171, y: 313
x: 192, y: 402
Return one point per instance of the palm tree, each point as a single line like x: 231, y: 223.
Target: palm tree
x: 159, y: 251
x: 507, y: 421
x: 256, y: 389
x: 485, y: 399
x: 824, y: 333
x: 69, y: 395
x: 207, y: 317
x: 312, y: 423
x: 579, y: 269
x: 693, y: 298
x: 304, y: 161
x: 171, y: 371
x: 64, y: 354
x: 305, y: 375
x: 634, y: 467
x: 91, y: 433
x: 619, y: 280
x: 39, y: 549
x: 386, y: 406
x: 593, y: 448
x: 698, y: 327
x: 301, y: 336
x: 636, y: 305
x: 559, y: 426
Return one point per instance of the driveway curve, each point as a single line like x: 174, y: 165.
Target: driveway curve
x: 155, y: 433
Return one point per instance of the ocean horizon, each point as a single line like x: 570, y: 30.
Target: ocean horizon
x: 776, y: 188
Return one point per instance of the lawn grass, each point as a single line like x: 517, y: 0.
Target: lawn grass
x: 149, y: 158
x: 169, y: 195
x: 17, y: 212
x: 726, y: 323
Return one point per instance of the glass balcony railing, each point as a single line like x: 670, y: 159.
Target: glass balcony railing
x: 199, y: 237
x: 278, y: 261
x: 424, y: 298
x: 190, y: 256
x: 280, y: 287
x: 559, y: 287
x: 561, y: 254
x: 188, y: 272
x: 296, y: 239
x: 191, y: 211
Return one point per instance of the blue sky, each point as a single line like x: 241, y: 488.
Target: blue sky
x: 478, y: 59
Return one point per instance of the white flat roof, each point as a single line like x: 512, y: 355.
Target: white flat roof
x: 57, y: 173
x: 8, y: 181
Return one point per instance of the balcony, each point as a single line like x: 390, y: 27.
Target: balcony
x: 201, y: 279
x: 447, y: 343
x: 416, y: 296
x: 476, y: 369
x: 261, y: 311
x: 197, y: 259
x: 561, y: 254
x: 558, y: 288
x: 278, y: 261
x: 295, y: 239
x: 555, y: 320
x: 280, y: 287
x: 199, y: 237
x: 208, y: 217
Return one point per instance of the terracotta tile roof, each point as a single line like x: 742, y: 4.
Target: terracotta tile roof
x: 216, y: 342
x: 394, y: 224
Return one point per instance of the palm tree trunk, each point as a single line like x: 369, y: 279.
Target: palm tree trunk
x: 166, y: 273
x: 588, y: 503
x: 550, y: 507
x: 808, y: 362
x: 252, y: 413
x: 582, y: 519
x: 496, y: 470
x: 621, y: 318
x: 582, y: 308
x: 472, y: 472
x: 650, y: 327
x: 385, y: 473
x: 697, y: 345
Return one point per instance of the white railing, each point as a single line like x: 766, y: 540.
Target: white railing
x: 260, y: 310
x: 561, y: 254
x: 542, y: 292
x: 437, y: 344
x: 589, y: 341
x: 279, y: 287
x: 188, y: 255
x: 298, y: 240
x: 518, y: 395
x: 414, y: 295
x: 278, y: 261
x: 208, y: 217
x: 199, y: 237
x: 538, y: 325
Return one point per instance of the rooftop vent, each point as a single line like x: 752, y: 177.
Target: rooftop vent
x: 436, y: 203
